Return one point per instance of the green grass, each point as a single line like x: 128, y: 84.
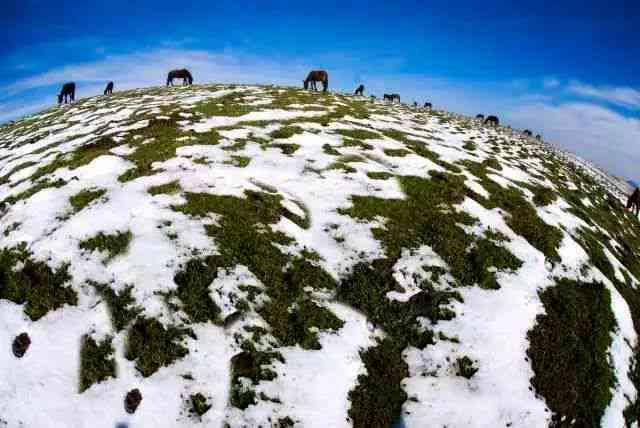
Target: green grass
x: 241, y: 161
x: 358, y: 134
x: 113, y: 244
x: 465, y: 367
x: 242, y: 239
x: 396, y: 152
x: 96, y: 362
x: 84, y: 198
x: 250, y: 364
x: 199, y: 405
x: 169, y: 188
x: 375, y: 175
x: 193, y: 289
x: 329, y: 150
x: 121, y: 305
x: 37, y: 187
x: 568, y: 351
x: 35, y: 284
x: 523, y: 218
x: 287, y: 149
x: 228, y: 105
x: 286, y: 132
x: 152, y: 345
x: 347, y: 142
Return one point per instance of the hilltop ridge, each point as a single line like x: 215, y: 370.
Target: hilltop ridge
x: 263, y: 256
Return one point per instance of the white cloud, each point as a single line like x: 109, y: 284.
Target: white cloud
x: 625, y: 97
x: 596, y: 133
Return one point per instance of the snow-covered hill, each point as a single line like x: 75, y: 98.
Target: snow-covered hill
x: 263, y: 256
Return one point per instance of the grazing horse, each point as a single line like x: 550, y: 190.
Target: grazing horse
x: 317, y: 76
x: 492, y: 120
x: 428, y: 106
x: 527, y: 133
x: 183, y: 74
x: 68, y: 91
x: 360, y: 90
x: 633, y: 202
x: 391, y: 97
x: 109, y: 89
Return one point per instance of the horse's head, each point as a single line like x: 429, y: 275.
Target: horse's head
x: 306, y: 84
x: 60, y: 98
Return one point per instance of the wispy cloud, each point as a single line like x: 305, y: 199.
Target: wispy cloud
x: 545, y: 105
x: 594, y: 132
x: 622, y: 96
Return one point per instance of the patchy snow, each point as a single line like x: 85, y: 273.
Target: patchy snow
x: 312, y: 386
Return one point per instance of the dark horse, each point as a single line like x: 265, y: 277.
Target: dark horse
x: 527, y: 133
x: 492, y: 120
x: 428, y: 105
x: 109, y: 89
x: 360, y: 90
x: 633, y: 202
x: 68, y: 91
x: 183, y: 74
x: 391, y: 97
x: 317, y: 76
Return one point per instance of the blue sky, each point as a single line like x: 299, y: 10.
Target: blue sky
x: 568, y: 70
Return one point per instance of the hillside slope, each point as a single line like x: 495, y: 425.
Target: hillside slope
x: 263, y: 256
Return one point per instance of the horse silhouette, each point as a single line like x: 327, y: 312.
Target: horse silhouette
x: 360, y: 90
x: 527, y: 133
x: 68, y: 91
x: 492, y: 120
x: 391, y: 97
x: 428, y: 105
x: 109, y: 89
x: 317, y: 76
x: 633, y: 202
x: 183, y: 74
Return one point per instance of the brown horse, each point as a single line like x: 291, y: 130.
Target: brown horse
x: 633, y: 202
x: 183, y: 74
x: 109, y: 89
x: 317, y: 76
x: 68, y: 91
x: 360, y: 90
x: 492, y: 120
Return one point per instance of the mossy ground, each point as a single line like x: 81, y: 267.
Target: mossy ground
x: 84, y: 198
x: 122, y: 306
x: 113, y: 244
x: 429, y: 214
x: 152, y: 345
x: 568, y: 352
x: 96, y: 362
x: 35, y: 284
